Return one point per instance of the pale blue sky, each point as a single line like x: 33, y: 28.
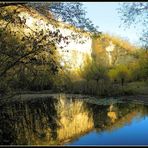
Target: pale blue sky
x: 105, y: 15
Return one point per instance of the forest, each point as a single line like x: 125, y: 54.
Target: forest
x: 29, y: 61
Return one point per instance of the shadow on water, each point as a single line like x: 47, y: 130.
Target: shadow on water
x: 61, y: 120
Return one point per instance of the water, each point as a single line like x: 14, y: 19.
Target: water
x: 77, y: 120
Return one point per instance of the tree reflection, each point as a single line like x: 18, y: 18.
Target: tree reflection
x: 48, y: 121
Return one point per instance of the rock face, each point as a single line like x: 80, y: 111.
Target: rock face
x: 77, y: 51
x: 111, y: 50
x: 73, y: 52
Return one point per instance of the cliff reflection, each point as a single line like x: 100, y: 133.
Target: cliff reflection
x: 112, y: 114
x: 61, y: 120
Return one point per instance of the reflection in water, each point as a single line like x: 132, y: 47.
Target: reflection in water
x: 111, y: 114
x: 61, y: 120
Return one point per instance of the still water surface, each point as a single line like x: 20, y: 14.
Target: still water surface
x: 65, y: 120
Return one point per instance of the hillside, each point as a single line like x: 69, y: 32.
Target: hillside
x: 123, y: 52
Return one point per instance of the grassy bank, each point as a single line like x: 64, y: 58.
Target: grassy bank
x: 136, y: 88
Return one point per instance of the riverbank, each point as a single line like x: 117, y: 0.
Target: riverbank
x: 91, y: 99
x: 135, y: 91
x: 136, y: 88
x: 139, y: 98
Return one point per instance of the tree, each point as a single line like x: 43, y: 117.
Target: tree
x: 37, y: 47
x: 120, y: 72
x: 143, y: 62
x: 112, y: 73
x: 21, y: 53
x: 71, y: 12
x: 135, y: 13
x: 29, y: 58
x: 12, y: 18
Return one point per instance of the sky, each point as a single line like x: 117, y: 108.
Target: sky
x: 105, y: 15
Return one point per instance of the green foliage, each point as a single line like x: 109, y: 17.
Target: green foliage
x: 94, y: 79
x: 93, y: 71
x: 143, y: 62
x: 62, y: 81
x: 113, y: 73
x: 120, y: 73
x: 139, y: 69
